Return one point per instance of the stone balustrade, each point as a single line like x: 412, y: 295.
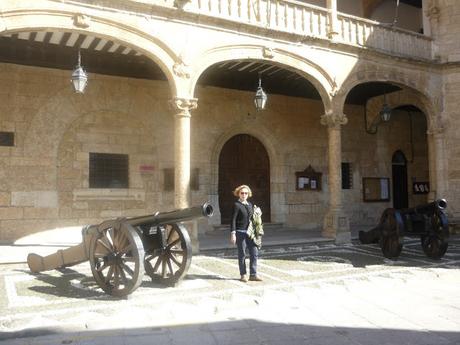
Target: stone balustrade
x: 312, y: 21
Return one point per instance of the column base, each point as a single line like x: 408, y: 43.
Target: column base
x: 337, y: 226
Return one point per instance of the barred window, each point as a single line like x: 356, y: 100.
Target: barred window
x: 108, y: 170
x: 6, y: 138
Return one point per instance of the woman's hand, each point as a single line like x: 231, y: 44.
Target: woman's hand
x: 233, y: 238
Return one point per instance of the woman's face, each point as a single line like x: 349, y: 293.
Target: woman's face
x: 243, y: 194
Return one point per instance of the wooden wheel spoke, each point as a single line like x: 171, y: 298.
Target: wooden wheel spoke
x: 109, y: 236
x: 157, y: 264
x: 170, y: 234
x: 151, y: 257
x: 103, y: 267
x: 177, y: 251
x: 129, y: 259
x: 173, y: 244
x: 100, y: 255
x: 174, y: 259
x: 128, y: 269
x: 127, y: 248
x: 116, y: 281
x: 168, y: 262
x: 105, y: 245
x: 163, y: 267
x: 109, y: 275
x: 122, y: 241
x: 123, y: 276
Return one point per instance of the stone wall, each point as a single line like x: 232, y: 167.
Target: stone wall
x: 44, y: 177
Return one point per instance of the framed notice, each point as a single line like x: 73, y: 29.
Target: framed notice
x: 376, y: 189
x: 309, y: 179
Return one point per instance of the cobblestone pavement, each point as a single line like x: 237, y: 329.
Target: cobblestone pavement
x: 311, y: 294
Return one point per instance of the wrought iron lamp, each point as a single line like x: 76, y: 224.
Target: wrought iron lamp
x: 384, y: 116
x: 79, y: 77
x: 260, y: 98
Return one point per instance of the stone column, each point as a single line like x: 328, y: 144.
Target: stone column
x: 182, y: 108
x: 436, y: 136
x: 336, y: 223
x: 333, y: 29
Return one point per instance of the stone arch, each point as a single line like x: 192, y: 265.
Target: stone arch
x: 422, y: 97
x: 52, y: 116
x: 159, y: 52
x: 265, y: 136
x: 318, y: 76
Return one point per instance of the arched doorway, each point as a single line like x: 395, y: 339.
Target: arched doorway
x: 399, y: 173
x: 244, y: 160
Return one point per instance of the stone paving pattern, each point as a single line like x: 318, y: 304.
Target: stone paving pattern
x: 311, y: 294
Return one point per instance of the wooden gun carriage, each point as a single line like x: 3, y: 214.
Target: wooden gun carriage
x: 120, y: 250
x: 428, y: 221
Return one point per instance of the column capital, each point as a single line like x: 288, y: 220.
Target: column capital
x: 183, y: 105
x: 333, y: 120
x: 436, y: 127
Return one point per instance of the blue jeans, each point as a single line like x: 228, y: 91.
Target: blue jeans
x: 243, y: 242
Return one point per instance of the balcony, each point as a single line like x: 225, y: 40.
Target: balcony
x: 307, y: 21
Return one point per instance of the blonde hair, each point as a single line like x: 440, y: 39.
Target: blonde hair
x: 236, y: 192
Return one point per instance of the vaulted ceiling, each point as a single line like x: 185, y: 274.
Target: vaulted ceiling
x: 59, y: 50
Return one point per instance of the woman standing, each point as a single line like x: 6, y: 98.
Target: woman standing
x: 241, y: 217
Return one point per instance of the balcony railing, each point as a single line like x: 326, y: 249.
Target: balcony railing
x: 311, y: 21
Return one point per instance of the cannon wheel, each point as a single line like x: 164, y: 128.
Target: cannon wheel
x: 436, y: 242
x: 116, y: 256
x: 170, y: 263
x: 391, y: 240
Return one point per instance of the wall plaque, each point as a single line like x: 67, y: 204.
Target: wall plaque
x: 308, y: 179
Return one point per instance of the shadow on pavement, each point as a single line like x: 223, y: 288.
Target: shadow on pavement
x: 245, y: 331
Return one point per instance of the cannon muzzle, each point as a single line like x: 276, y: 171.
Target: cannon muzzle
x: 431, y: 207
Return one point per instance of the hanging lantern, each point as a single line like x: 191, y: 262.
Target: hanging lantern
x: 79, y: 77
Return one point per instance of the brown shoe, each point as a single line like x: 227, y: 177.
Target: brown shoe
x: 255, y: 279
x: 243, y: 279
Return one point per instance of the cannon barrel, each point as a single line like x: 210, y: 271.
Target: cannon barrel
x: 177, y: 216
x: 428, y: 208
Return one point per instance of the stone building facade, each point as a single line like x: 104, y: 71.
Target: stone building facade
x: 176, y: 127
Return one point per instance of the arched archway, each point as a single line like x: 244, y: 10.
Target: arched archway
x: 244, y: 160
x: 64, y: 21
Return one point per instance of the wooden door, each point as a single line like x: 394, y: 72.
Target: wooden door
x: 244, y: 160
x: 399, y: 172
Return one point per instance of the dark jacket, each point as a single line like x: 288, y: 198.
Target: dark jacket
x: 241, y: 216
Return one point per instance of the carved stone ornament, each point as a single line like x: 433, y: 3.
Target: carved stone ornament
x: 180, y: 3
x: 437, y: 127
x: 333, y: 120
x: 183, y: 104
x: 181, y: 70
x: 81, y: 20
x: 268, y: 53
x: 433, y: 12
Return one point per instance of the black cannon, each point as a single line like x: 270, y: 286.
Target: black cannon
x: 120, y: 250
x: 427, y: 221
